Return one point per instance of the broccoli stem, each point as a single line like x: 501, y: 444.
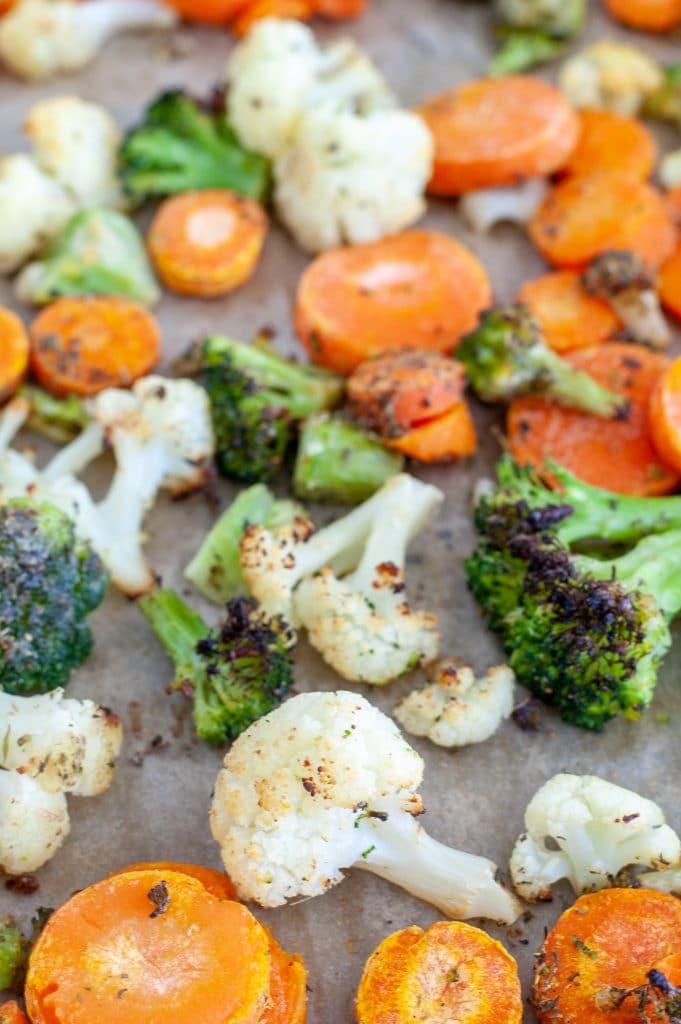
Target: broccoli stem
x: 179, y: 628
x: 653, y: 566
x: 13, y: 952
x: 574, y: 388
x: 459, y: 884
x: 59, y: 419
x: 522, y: 49
x: 338, y: 462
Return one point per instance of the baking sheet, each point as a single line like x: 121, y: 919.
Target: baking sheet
x: 475, y: 798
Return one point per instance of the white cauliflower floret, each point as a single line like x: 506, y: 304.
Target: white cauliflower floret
x: 33, y: 823
x: 77, y: 143
x: 363, y: 625
x: 487, y: 207
x: 670, y: 169
x: 33, y: 209
x: 279, y: 70
x: 595, y: 829
x: 324, y: 783
x: 68, y: 746
x: 664, y: 880
x: 39, y: 38
x: 613, y: 75
x: 347, y: 178
x: 621, y: 278
x: 457, y: 709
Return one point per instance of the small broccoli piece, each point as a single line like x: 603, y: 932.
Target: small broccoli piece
x: 236, y: 673
x: 505, y: 356
x: 13, y: 951
x: 257, y: 397
x: 665, y: 103
x: 560, y: 19
x: 59, y: 419
x: 99, y: 252
x: 178, y: 148
x: 215, y: 570
x: 49, y: 582
x: 622, y: 279
x: 341, y: 463
x: 522, y: 49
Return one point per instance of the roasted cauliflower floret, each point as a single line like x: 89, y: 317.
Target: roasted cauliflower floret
x: 610, y: 74
x: 33, y: 823
x: 33, y: 209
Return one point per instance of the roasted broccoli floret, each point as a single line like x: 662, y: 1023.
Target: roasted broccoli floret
x: 50, y: 580
x: 523, y: 48
x: 534, y: 31
x: 340, y: 462
x: 236, y: 673
x: 505, y: 356
x: 179, y: 147
x: 59, y: 419
x: 99, y: 252
x: 257, y: 399
x: 215, y: 570
x: 621, y: 278
x: 13, y: 951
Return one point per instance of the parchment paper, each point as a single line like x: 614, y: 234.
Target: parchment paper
x: 475, y: 798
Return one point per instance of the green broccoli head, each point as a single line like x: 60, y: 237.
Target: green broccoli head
x: 665, y: 103
x: 235, y: 673
x: 523, y: 48
x: 50, y: 580
x: 13, y: 952
x: 560, y: 19
x: 179, y: 148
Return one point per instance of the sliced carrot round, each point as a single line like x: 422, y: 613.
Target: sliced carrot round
x: 587, y: 215
x: 10, y: 1013
x: 569, y: 317
x: 209, y: 12
x: 608, y: 940
x: 496, y: 131
x: 287, y: 1003
x: 207, y: 243
x: 83, y: 345
x: 149, y: 947
x: 340, y: 8
x: 673, y: 202
x: 399, y: 390
x: 616, y: 454
x: 443, y: 439
x: 255, y: 10
x: 217, y: 883
x: 665, y: 415
x: 612, y: 142
x: 449, y: 972
x: 647, y: 15
x: 418, y: 289
x: 14, y: 349
x: 669, y: 283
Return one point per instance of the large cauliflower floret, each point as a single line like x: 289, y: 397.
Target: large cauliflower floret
x: 33, y: 209
x: 39, y: 38
x: 326, y: 782
x: 457, y: 709
x: 279, y: 71
x: 77, y: 143
x: 347, y: 178
x: 67, y: 746
x: 595, y: 829
x: 33, y: 823
x: 612, y: 75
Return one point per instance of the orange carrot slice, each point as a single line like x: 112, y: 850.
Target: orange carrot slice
x: 83, y: 345
x: 673, y: 203
x: 217, y: 883
x: 209, y: 12
x: 340, y: 8
x: 10, y: 1013
x: 496, y: 131
x: 616, y: 454
x: 443, y: 439
x: 449, y: 972
x: 612, y: 142
x: 569, y: 317
x: 417, y: 289
x: 669, y: 283
x: 254, y: 10
x: 14, y: 349
x: 207, y: 243
x: 665, y: 415
x: 398, y: 390
x: 607, y: 940
x: 287, y: 1003
x: 587, y: 215
x: 148, y: 947
x: 647, y: 15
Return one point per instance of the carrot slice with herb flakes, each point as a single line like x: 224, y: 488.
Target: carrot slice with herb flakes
x: 217, y: 883
x: 207, y: 243
x: 287, y: 1003
x: 449, y: 972
x: 610, y: 940
x: 497, y: 131
x: 569, y: 317
x: 665, y: 415
x: 398, y: 390
x: 210, y: 957
x: 584, y: 216
x: 10, y: 1013
x: 669, y: 283
x: 417, y: 289
x: 646, y: 15
x: 443, y: 439
x: 612, y: 142
x: 82, y: 345
x: 14, y: 349
x: 616, y: 454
